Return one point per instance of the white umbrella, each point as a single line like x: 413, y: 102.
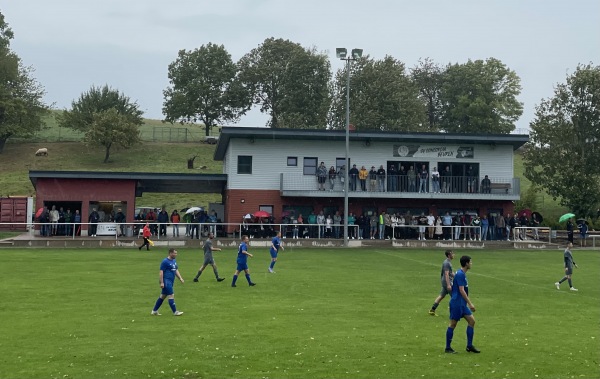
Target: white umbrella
x: 193, y: 209
x: 247, y: 216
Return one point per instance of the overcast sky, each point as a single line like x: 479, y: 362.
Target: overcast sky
x: 128, y: 44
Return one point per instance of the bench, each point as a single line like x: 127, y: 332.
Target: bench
x: 505, y: 187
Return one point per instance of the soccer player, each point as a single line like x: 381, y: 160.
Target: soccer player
x: 569, y: 263
x: 461, y: 306
x: 208, y: 258
x: 275, y: 246
x: 166, y: 278
x: 242, y: 262
x: 447, y: 276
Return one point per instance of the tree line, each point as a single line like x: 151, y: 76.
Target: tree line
x: 296, y: 87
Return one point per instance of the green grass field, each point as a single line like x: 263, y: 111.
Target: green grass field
x: 326, y: 313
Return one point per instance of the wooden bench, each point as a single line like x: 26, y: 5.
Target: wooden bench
x: 500, y: 186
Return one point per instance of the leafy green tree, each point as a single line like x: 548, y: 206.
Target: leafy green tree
x: 289, y: 82
x: 480, y: 97
x: 110, y: 128
x: 428, y: 77
x: 203, y: 87
x: 21, y: 104
x: 382, y: 97
x: 89, y: 114
x: 564, y: 149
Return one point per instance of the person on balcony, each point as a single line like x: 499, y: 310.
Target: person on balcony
x: 332, y: 175
x: 423, y: 177
x: 321, y: 176
x: 412, y: 179
x: 486, y: 185
x: 362, y: 176
x: 402, y: 181
x: 435, y: 180
x: 470, y: 180
x: 392, y: 179
x: 342, y: 175
x: 373, y: 179
x: 353, y: 175
x: 381, y: 178
x: 446, y: 177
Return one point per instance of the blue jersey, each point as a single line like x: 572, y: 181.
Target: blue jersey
x: 460, y: 279
x: 276, y: 243
x: 242, y: 258
x: 168, y: 267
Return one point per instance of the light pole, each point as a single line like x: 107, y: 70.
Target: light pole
x: 342, y: 53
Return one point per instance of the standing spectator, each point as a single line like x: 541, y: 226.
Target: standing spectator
x: 470, y: 179
x: 195, y: 225
x: 329, y: 227
x: 208, y: 258
x: 120, y: 220
x: 392, y: 179
x: 295, y: 228
x: 151, y: 219
x: 570, y: 230
x: 422, y: 225
x: 583, y: 230
x: 486, y: 185
x: 373, y: 179
x: 467, y: 226
x: 387, y: 219
x: 485, y: 225
x: 430, y: 225
x: 476, y: 226
x: 446, y: 177
x: 447, y: 226
x: 166, y: 277
x: 569, y: 263
x: 457, y: 223
x: 301, y: 228
x: 342, y: 175
x: 93, y: 220
x: 187, y: 219
x: 362, y: 176
x: 242, y: 262
x: 212, y: 219
x: 381, y: 224
x: 402, y: 231
x: 461, y: 306
x: 524, y: 223
x: 77, y: 222
x: 175, y: 218
x: 438, y: 228
x: 321, y: 223
x: 500, y: 226
x: 68, y: 222
x: 394, y: 220
x: 353, y: 175
x: 513, y: 226
x: 447, y: 276
x: 146, y: 235
x: 351, y: 227
x: 337, y: 220
x: 491, y: 227
x: 321, y: 176
x: 312, y: 227
x: 381, y: 178
x: 365, y: 224
x: 44, y: 218
x: 507, y: 220
x: 61, y: 221
x: 423, y: 176
x: 412, y: 179
x: 435, y: 180
x: 373, y: 222
x: 54, y: 216
x: 402, y: 179
x: 535, y: 224
x: 332, y: 176
x: 163, y: 220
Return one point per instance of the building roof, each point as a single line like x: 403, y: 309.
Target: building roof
x: 145, y: 181
x: 227, y: 133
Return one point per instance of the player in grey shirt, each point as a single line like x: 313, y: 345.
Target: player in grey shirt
x: 569, y: 263
x: 208, y: 258
x: 447, y: 276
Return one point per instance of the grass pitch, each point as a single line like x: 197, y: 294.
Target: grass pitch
x: 326, y: 313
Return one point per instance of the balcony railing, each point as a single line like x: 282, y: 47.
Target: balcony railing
x: 403, y: 186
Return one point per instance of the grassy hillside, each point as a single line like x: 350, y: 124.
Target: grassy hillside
x: 157, y: 153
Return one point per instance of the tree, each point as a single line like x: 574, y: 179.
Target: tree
x: 93, y: 112
x: 289, y: 82
x: 203, y: 87
x: 428, y: 77
x: 21, y: 104
x: 382, y: 97
x: 480, y: 97
x: 563, y: 153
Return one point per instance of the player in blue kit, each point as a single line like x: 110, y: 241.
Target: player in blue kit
x: 242, y: 262
x: 275, y: 246
x: 461, y: 306
x: 166, y: 278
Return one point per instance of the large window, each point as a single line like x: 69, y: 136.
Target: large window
x: 310, y: 166
x: 244, y: 164
x: 292, y: 161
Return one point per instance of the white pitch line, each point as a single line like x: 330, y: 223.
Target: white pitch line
x: 489, y: 276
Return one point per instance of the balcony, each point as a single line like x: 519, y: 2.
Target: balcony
x: 453, y: 187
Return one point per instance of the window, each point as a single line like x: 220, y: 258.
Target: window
x: 339, y: 162
x: 292, y: 161
x: 310, y: 166
x: 244, y: 164
x: 266, y: 208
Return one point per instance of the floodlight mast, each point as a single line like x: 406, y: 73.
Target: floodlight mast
x: 342, y: 53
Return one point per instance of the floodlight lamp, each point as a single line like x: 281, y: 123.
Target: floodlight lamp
x: 341, y: 52
x: 357, y: 53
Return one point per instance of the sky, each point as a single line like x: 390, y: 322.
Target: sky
x: 128, y: 44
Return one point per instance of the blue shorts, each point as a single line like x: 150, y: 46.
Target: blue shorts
x: 273, y: 253
x: 458, y: 312
x: 242, y: 266
x: 168, y: 288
